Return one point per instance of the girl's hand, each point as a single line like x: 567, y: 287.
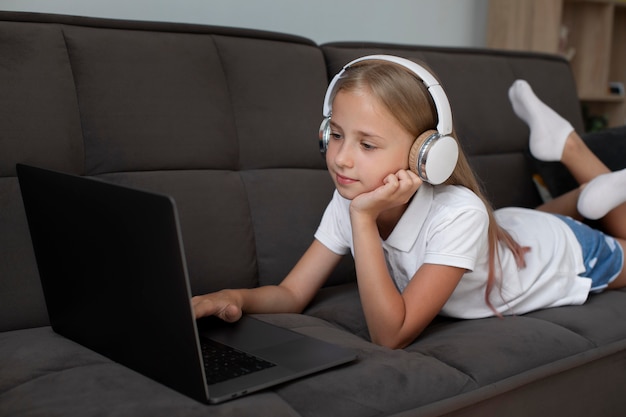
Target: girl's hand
x: 223, y: 304
x: 293, y: 294
x: 397, y: 190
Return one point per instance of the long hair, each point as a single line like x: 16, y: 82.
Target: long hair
x: 407, y: 99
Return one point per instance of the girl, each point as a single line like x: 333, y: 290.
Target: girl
x: 422, y: 249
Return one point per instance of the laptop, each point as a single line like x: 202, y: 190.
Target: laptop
x: 113, y: 272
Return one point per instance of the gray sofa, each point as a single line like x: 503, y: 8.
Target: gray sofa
x: 225, y: 120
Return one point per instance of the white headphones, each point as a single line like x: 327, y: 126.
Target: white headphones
x: 434, y: 153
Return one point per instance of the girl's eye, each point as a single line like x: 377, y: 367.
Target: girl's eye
x: 367, y: 146
x: 335, y: 135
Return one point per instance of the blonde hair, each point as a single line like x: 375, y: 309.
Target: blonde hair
x: 407, y: 99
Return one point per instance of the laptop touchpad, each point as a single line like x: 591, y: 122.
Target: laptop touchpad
x: 247, y: 334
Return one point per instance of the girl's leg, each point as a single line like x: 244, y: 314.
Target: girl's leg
x: 564, y: 204
x: 552, y: 138
x: 620, y: 281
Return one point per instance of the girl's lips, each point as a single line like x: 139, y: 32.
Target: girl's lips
x: 344, y: 180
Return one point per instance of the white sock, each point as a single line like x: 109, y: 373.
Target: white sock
x: 548, y: 130
x: 602, y: 194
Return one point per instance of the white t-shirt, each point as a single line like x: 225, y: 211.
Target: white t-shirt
x: 447, y: 225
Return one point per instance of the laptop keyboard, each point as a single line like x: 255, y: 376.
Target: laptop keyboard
x: 223, y: 362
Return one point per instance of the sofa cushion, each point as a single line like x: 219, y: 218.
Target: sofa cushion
x: 43, y: 125
x: 61, y: 378
x: 276, y: 91
x: 21, y: 298
x: 452, y: 358
x: 148, y: 99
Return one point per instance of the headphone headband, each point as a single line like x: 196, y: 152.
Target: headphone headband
x: 442, y: 105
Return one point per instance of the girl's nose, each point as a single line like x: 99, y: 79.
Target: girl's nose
x: 343, y: 157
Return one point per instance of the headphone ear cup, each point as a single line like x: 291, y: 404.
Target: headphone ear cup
x: 324, y: 135
x: 416, y: 148
x: 433, y: 157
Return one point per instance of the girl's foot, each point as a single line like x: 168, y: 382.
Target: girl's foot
x: 548, y: 130
x: 602, y: 194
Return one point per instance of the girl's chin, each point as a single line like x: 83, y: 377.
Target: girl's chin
x: 345, y: 192
x: 349, y: 194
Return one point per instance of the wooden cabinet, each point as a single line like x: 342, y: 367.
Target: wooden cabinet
x: 590, y: 33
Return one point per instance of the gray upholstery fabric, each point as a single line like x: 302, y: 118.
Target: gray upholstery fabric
x: 225, y: 121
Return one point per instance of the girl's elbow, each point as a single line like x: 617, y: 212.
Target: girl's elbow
x: 297, y: 308
x: 393, y: 342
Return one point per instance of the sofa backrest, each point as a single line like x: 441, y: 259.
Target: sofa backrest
x: 224, y: 120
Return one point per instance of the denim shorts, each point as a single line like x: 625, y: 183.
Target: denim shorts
x: 602, y: 255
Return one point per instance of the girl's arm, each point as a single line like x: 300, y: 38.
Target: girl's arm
x: 394, y: 319
x: 292, y: 295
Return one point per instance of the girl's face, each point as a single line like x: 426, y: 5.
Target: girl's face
x: 367, y: 143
